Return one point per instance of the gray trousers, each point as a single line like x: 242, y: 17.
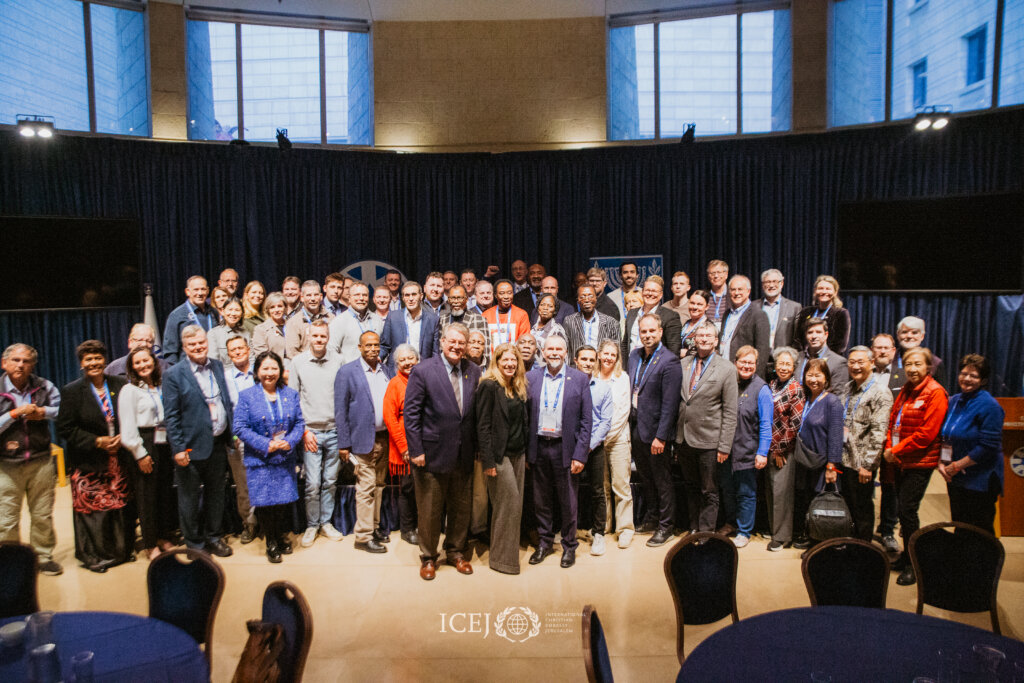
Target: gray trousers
x: 481, y: 493
x: 779, y: 496
x: 245, y: 509
x: 447, y: 493
x: 506, y: 493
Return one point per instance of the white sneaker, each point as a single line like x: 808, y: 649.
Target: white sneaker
x: 331, y: 533
x: 740, y: 541
x: 309, y: 536
x: 597, y: 546
x: 625, y: 538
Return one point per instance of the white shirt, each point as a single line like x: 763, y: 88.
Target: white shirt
x: 211, y: 391
x: 412, y: 326
x: 378, y: 382
x: 238, y: 382
x: 138, y: 408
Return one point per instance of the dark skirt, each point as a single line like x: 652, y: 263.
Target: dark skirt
x: 103, y: 539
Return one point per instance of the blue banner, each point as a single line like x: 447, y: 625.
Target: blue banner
x: 650, y: 264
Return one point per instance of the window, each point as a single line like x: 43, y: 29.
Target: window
x: 728, y: 74
x: 45, y: 56
x: 975, y: 43
x: 246, y: 80
x: 919, y: 83
x: 856, y: 62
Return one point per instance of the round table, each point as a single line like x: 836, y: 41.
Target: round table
x: 126, y: 647
x: 847, y: 643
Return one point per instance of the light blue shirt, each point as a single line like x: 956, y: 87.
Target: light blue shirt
x: 378, y: 382
x: 238, y: 382
x: 772, y: 311
x: 413, y: 325
x: 729, y: 329
x: 51, y: 406
x: 604, y: 408
x: 211, y: 391
x: 552, y: 393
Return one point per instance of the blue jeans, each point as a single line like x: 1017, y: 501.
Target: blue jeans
x: 321, y: 468
x: 739, y: 495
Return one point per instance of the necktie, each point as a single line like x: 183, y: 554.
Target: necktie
x: 696, y: 373
x: 457, y: 386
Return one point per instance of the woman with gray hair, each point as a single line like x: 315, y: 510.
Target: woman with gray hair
x: 788, y: 399
x: 406, y: 358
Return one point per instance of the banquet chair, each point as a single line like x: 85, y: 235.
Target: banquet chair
x: 185, y: 587
x: 284, y: 604
x: 18, y: 567
x: 959, y: 570
x: 701, y: 574
x: 595, y: 649
x: 848, y: 572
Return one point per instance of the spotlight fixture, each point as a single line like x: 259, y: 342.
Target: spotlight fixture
x: 282, y: 139
x: 933, y: 118
x: 689, y: 132
x: 35, y: 126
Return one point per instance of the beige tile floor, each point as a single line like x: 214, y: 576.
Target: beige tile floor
x: 375, y: 620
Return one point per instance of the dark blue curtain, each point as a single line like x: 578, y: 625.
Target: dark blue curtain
x: 757, y: 203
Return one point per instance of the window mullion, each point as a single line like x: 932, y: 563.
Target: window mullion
x: 323, y: 88
x: 888, y: 60
x: 89, y: 71
x: 997, y: 51
x: 739, y: 75
x: 238, y: 80
x: 657, y: 83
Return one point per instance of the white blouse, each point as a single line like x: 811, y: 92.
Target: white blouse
x: 620, y: 416
x: 138, y: 408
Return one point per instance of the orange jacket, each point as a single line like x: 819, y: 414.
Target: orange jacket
x: 394, y: 419
x: 923, y: 410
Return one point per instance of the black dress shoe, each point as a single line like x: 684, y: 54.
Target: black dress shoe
x: 98, y: 568
x: 411, y: 537
x: 660, y: 537
x: 381, y: 537
x: 248, y: 534
x: 218, y: 548
x: 273, y: 552
x: 646, y: 528
x: 568, y: 558
x: 371, y: 546
x: 541, y: 552
x: 906, y: 577
x: 286, y: 546
x: 802, y: 543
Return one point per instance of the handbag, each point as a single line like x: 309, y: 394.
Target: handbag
x: 807, y: 457
x: 827, y: 516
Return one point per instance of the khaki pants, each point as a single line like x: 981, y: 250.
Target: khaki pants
x: 371, y: 475
x: 32, y: 479
x: 617, y: 484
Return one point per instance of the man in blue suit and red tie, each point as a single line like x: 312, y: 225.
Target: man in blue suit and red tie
x: 655, y: 378
x: 413, y: 324
x: 558, y: 442
x: 359, y: 390
x: 440, y: 429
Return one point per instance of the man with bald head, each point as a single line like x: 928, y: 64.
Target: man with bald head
x: 744, y: 325
x: 549, y: 285
x: 228, y: 281
x: 481, y: 298
x: 141, y: 335
x: 519, y: 282
x: 195, y: 311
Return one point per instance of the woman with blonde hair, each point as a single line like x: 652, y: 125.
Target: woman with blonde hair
x: 829, y: 306
x: 501, y: 426
x: 616, y: 444
x: 252, y: 305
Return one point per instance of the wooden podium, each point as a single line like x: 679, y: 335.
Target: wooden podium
x: 1011, y: 504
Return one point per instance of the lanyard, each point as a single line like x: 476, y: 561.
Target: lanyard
x: 645, y: 366
x: 504, y: 333
x: 773, y: 320
x: 208, y: 369
x: 899, y: 416
x: 732, y: 322
x: 588, y: 329
x: 859, y: 398
x: 356, y: 318
x: 707, y: 362
x: 108, y: 409
x: 192, y: 316
x: 275, y: 410
x: 822, y: 314
x: 785, y: 387
x: 947, y: 428
x: 807, y: 409
x: 156, y: 406
x: 717, y: 300
x: 558, y: 394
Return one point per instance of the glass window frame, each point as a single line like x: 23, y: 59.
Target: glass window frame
x: 238, y: 19
x: 975, y: 41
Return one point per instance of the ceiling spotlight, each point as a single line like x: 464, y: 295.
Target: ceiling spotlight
x: 282, y: 139
x: 934, y: 118
x: 31, y: 126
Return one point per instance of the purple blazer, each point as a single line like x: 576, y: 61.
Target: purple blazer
x: 353, y: 407
x: 577, y: 415
x: 433, y: 424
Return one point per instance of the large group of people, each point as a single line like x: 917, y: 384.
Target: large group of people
x: 486, y: 402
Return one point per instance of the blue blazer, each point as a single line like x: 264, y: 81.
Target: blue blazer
x: 577, y: 415
x: 657, y: 406
x: 185, y: 411
x: 254, y: 424
x: 353, y: 408
x: 395, y: 332
x: 177, y: 320
x: 433, y: 424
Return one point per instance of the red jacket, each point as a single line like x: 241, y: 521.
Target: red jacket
x: 924, y: 409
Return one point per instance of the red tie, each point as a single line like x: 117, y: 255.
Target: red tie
x: 696, y: 373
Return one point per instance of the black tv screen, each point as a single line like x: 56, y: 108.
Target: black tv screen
x: 946, y: 244
x: 58, y: 262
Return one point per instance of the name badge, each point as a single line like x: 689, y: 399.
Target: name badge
x: 547, y: 423
x: 278, y: 436
x: 636, y: 398
x: 212, y: 405
x: 111, y: 430
x: 895, y: 437
x: 846, y: 435
x: 160, y: 435
x: 946, y: 453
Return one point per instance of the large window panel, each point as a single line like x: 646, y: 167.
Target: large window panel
x: 767, y: 76
x: 281, y: 82
x: 348, y: 88
x: 212, y: 81
x: 697, y: 75
x: 1011, y: 80
x: 42, y: 62
x: 119, y: 70
x: 856, y: 62
x: 631, y: 82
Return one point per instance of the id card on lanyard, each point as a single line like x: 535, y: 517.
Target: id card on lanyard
x: 638, y: 382
x: 160, y: 431
x: 548, y: 424
x: 946, y: 448
x: 276, y: 410
x: 106, y: 402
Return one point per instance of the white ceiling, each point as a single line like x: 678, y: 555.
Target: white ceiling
x: 454, y: 10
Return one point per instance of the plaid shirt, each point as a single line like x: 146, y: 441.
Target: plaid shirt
x: 789, y: 408
x: 474, y: 321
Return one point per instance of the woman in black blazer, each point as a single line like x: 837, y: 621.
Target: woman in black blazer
x: 98, y: 464
x: 501, y: 419
x: 829, y: 306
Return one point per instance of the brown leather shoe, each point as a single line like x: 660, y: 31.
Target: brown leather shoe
x: 427, y: 570
x: 460, y: 564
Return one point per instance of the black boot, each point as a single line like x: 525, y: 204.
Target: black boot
x: 273, y: 551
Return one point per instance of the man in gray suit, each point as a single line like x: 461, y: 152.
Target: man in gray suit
x: 706, y: 425
x: 781, y: 311
x: 816, y: 335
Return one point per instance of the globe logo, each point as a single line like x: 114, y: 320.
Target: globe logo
x: 517, y: 624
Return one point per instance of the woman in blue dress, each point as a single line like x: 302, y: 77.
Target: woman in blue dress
x: 268, y: 420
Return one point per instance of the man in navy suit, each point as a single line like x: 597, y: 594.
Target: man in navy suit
x: 655, y: 378
x: 413, y: 324
x: 557, y: 445
x: 359, y: 390
x: 441, y: 433
x: 197, y: 409
x: 745, y: 325
x: 195, y: 311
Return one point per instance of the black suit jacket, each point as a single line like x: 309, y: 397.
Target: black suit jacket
x: 490, y: 406
x: 784, y: 329
x: 671, y: 330
x: 608, y: 307
x: 524, y: 300
x: 80, y: 420
x: 754, y: 330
